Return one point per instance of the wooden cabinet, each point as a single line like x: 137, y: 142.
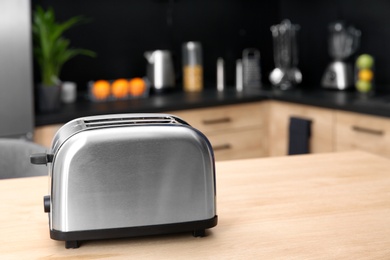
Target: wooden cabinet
x: 260, y: 129
x: 235, y: 131
x: 43, y: 135
x: 321, y: 139
x: 357, y: 131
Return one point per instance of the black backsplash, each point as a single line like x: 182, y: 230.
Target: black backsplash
x: 371, y: 17
x: 121, y: 31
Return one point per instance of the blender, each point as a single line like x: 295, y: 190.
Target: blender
x: 343, y: 42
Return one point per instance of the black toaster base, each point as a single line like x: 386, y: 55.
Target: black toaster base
x: 72, y: 239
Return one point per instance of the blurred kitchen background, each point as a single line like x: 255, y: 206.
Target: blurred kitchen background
x: 121, y: 31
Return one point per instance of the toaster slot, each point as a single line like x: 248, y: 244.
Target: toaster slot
x: 128, y: 121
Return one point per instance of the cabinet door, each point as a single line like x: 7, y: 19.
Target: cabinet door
x: 246, y: 143
x: 321, y: 139
x: 235, y: 131
x: 368, y: 133
x: 227, y: 117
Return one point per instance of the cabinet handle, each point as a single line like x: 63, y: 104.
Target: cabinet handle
x: 217, y: 121
x: 222, y: 147
x: 367, y: 130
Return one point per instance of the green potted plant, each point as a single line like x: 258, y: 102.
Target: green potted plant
x: 51, y: 51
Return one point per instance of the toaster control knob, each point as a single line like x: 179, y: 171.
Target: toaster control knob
x: 46, y: 203
x: 41, y: 158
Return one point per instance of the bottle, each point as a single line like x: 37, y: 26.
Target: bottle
x: 192, y: 67
x: 239, y: 75
x: 220, y: 74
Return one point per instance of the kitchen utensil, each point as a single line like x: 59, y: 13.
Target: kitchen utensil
x: 286, y: 73
x: 251, y: 68
x: 239, y: 79
x: 160, y: 70
x: 192, y: 67
x: 220, y: 74
x: 343, y: 41
x: 128, y: 175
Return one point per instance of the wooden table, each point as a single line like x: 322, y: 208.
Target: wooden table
x: 323, y: 206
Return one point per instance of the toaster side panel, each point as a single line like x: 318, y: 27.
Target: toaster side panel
x: 132, y: 176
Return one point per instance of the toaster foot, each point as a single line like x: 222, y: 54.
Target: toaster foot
x: 199, y: 233
x: 72, y: 244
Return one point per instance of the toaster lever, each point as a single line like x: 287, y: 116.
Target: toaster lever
x: 41, y: 158
x: 46, y: 203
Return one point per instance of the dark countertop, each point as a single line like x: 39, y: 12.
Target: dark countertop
x: 378, y: 104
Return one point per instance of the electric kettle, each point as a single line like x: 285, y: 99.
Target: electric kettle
x: 160, y: 70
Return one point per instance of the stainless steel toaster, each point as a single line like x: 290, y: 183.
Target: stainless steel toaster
x: 128, y: 175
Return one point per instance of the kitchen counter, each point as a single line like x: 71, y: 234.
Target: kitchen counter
x: 322, y: 206
x: 153, y: 104
x: 378, y: 105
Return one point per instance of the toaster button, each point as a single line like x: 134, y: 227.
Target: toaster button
x: 46, y: 203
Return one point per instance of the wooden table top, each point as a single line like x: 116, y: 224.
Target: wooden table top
x: 323, y: 206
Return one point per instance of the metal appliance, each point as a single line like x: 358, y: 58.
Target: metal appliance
x: 251, y: 68
x: 343, y: 42
x: 16, y: 80
x: 286, y: 73
x: 128, y: 175
x: 160, y: 70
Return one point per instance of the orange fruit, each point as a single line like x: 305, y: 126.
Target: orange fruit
x: 137, y: 86
x: 101, y: 89
x: 119, y: 88
x: 365, y: 75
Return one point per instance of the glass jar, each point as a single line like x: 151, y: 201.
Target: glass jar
x: 192, y: 67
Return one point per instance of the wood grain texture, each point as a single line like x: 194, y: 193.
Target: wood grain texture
x: 242, y: 128
x: 223, y: 118
x: 367, y: 133
x: 322, y: 206
x: 322, y: 136
x: 239, y: 144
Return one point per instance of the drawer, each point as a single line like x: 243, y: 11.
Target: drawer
x: 249, y: 143
x: 368, y: 133
x: 322, y: 135
x: 225, y: 117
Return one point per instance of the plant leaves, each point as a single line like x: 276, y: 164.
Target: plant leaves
x: 51, y: 49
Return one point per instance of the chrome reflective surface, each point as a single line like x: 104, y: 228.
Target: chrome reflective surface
x: 80, y: 124
x: 132, y: 175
